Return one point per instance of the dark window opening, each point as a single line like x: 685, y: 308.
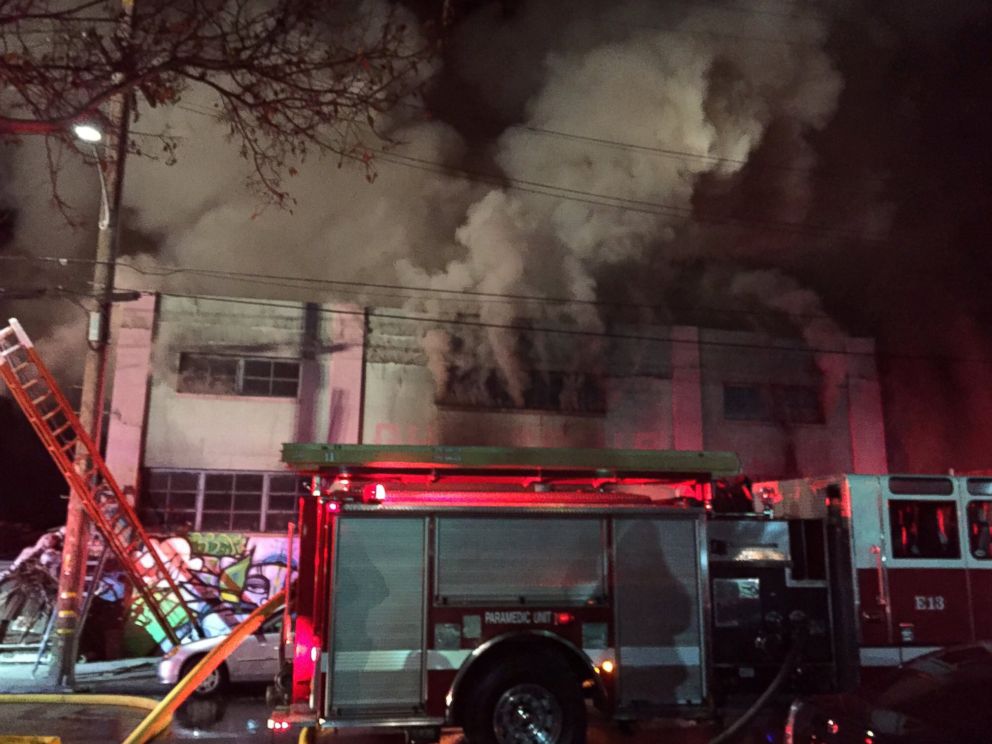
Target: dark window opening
x: 789, y: 404
x: 797, y: 404
x: 567, y: 392
x: 745, y: 403
x: 921, y: 486
x: 924, y: 529
x: 232, y: 501
x: 170, y: 500
x: 807, y: 549
x: 284, y: 495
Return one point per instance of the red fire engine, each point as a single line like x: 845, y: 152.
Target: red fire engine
x: 920, y: 561
x: 498, y: 589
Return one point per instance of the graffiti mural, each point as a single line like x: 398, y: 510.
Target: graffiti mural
x: 222, y: 578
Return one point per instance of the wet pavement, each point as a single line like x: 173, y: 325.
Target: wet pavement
x: 241, y: 718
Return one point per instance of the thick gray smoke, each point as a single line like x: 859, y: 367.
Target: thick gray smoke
x: 605, y: 104
x: 620, y: 110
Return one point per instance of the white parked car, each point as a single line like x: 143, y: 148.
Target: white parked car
x: 255, y: 660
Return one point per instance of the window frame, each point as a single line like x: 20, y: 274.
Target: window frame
x: 266, y: 516
x: 970, y: 522
x: 243, y: 373
x: 952, y: 529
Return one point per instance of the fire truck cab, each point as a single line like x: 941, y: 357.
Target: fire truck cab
x: 499, y: 589
x: 920, y: 564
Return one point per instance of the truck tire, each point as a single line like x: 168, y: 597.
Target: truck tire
x: 536, y: 700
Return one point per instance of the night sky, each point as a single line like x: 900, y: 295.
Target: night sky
x: 805, y: 168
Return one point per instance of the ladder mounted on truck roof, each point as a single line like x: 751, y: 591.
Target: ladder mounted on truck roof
x: 559, y: 465
x: 59, y: 428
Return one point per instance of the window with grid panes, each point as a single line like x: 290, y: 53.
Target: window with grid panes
x: 232, y: 501
x: 228, y: 375
x: 284, y: 494
x: 170, y: 499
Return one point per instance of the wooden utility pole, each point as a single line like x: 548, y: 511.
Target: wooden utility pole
x: 75, y: 548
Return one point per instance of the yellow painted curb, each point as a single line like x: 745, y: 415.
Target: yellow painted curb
x: 46, y: 698
x: 30, y: 740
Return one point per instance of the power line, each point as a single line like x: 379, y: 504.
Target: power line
x: 435, y: 320
x: 519, y: 328
x: 656, y: 209
x: 457, y: 295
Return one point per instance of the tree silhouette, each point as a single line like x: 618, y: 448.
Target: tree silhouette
x: 285, y: 76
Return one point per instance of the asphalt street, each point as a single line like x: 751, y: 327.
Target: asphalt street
x: 240, y: 718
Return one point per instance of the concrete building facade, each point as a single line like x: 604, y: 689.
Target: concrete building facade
x: 206, y: 390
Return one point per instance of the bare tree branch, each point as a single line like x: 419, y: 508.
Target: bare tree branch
x: 288, y: 75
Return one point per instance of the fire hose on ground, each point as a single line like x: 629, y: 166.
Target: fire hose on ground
x: 160, y: 712
x: 799, y: 634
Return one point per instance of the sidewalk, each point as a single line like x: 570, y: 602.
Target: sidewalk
x: 135, y: 676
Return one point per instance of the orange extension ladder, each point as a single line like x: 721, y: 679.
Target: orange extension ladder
x: 38, y: 395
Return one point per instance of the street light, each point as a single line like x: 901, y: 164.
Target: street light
x: 88, y: 133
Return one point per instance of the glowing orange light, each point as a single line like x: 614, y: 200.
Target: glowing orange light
x: 607, y: 667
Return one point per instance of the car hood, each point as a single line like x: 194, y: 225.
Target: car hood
x: 204, y: 644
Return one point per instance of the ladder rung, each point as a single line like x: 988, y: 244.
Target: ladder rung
x: 30, y: 383
x: 68, y: 445
x: 62, y: 428
x: 50, y: 414
x: 10, y: 350
x: 36, y: 401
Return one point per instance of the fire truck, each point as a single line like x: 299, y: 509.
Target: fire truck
x: 920, y: 556
x: 499, y: 589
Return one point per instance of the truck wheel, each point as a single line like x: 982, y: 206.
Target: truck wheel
x: 532, y: 701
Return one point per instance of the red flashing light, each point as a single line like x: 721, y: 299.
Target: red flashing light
x: 832, y: 727
x: 333, y: 506
x: 564, y: 618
